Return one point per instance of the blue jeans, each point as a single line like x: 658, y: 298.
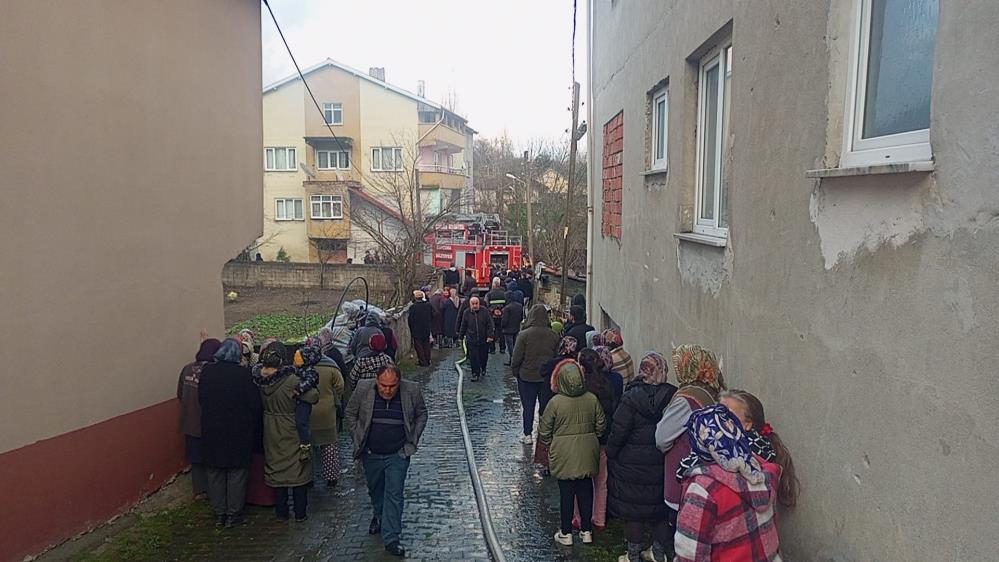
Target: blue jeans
x: 386, y: 476
x: 529, y: 399
x: 511, y: 340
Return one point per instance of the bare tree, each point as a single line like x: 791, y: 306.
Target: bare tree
x: 329, y: 242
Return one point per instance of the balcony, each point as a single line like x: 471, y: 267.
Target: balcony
x: 441, y: 137
x: 433, y: 175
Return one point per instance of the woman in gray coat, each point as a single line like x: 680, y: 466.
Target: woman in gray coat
x: 535, y: 345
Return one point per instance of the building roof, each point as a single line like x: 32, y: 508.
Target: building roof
x: 376, y: 203
x: 362, y: 75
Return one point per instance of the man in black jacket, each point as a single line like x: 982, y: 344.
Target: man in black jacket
x: 476, y: 326
x: 420, y: 317
x: 513, y: 316
x: 577, y: 326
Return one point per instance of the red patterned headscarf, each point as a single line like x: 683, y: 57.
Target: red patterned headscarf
x: 695, y: 365
x: 611, y: 338
x: 653, y: 369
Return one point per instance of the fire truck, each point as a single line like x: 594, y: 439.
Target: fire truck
x: 475, y: 244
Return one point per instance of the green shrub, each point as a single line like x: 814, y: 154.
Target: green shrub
x: 282, y: 255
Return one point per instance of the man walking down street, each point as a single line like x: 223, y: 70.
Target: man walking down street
x: 476, y: 327
x: 421, y: 316
x: 386, y: 417
x: 513, y: 316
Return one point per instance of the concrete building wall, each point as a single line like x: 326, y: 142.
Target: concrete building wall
x: 389, y: 119
x: 131, y: 152
x: 862, y: 310
x: 284, y: 125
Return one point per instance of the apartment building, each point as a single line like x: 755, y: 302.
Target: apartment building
x: 808, y: 188
x: 126, y: 189
x: 357, y: 150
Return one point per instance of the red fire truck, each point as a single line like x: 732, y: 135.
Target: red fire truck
x: 475, y: 244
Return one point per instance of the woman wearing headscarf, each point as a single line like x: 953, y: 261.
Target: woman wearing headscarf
x: 190, y: 413
x: 727, y: 508
x: 567, y: 348
x: 249, y: 357
x: 258, y: 492
x: 635, y: 484
x: 230, y: 410
x: 324, y: 414
x: 608, y: 392
x: 287, y: 469
x: 368, y: 367
x: 700, y: 380
x: 622, y: 360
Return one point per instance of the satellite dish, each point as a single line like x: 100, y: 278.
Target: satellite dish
x: 309, y: 170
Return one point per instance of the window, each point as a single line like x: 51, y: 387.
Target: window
x: 333, y: 159
x: 888, y: 113
x: 333, y: 112
x: 280, y: 159
x: 288, y: 210
x: 714, y: 146
x: 327, y: 207
x: 660, y: 120
x: 386, y: 158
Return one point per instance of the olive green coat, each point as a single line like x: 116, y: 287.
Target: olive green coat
x: 284, y: 466
x: 323, y: 420
x: 571, y: 426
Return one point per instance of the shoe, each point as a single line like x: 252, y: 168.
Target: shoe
x: 220, y: 520
x: 234, y: 520
x: 599, y: 527
x: 564, y: 540
x: 507, y: 364
x: 623, y: 558
x: 475, y: 378
x: 375, y: 527
x: 527, y: 439
x: 395, y: 549
x: 302, y: 519
x: 649, y: 556
x: 586, y: 537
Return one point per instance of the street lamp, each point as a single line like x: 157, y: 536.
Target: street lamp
x: 530, y: 219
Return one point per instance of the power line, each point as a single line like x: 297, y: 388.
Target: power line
x: 573, y: 54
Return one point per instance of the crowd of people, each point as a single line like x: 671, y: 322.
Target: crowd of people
x: 686, y: 459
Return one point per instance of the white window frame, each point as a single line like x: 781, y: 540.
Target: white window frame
x: 291, y: 157
x: 342, y: 158
x: 396, y: 160
x: 716, y: 57
x: 335, y: 116
x: 320, y: 199
x: 660, y: 163
x: 285, y: 201
x: 910, y: 146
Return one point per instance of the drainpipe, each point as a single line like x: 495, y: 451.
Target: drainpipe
x: 590, y: 305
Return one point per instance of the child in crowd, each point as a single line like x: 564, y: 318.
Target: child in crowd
x: 308, y: 378
x: 571, y: 427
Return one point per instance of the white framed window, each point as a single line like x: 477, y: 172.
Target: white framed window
x: 714, y: 142
x: 333, y: 159
x: 891, y: 78
x: 386, y: 158
x: 280, y: 159
x: 327, y: 207
x: 289, y: 209
x: 660, y: 130
x: 333, y: 113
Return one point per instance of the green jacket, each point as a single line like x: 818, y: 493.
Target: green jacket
x: 535, y: 345
x: 571, y: 426
x: 284, y: 465
x: 322, y: 423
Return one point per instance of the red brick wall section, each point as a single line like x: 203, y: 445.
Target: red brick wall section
x: 613, y: 164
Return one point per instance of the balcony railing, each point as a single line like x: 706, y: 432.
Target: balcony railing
x: 442, y: 169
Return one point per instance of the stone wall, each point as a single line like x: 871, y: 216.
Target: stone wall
x: 280, y: 275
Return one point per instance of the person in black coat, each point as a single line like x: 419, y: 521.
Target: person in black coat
x: 230, y: 427
x: 577, y: 327
x: 420, y: 318
x: 513, y: 317
x: 635, y: 465
x: 449, y: 311
x: 476, y: 326
x: 526, y: 286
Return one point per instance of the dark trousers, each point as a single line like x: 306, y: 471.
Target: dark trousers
x: 303, y: 411
x: 544, y: 396
x: 299, y: 496
x: 227, y: 489
x: 572, y: 492
x: 386, y: 477
x: 634, y: 531
x: 529, y: 399
x: 422, y: 347
x: 478, y: 356
x: 511, y: 340
x: 497, y: 322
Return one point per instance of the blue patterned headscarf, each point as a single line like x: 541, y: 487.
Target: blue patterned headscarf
x: 231, y: 351
x: 716, y: 435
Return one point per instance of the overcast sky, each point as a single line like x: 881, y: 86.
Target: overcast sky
x: 507, y: 62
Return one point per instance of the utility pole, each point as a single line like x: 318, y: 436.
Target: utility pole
x: 568, y: 191
x: 530, y: 214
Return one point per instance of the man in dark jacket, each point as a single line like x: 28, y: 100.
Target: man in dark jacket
x: 386, y: 417
x: 421, y: 315
x: 534, y: 346
x: 513, y: 316
x: 495, y: 301
x: 526, y: 285
x: 476, y: 327
x: 577, y: 327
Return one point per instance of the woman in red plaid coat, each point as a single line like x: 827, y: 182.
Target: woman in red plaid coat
x: 727, y: 510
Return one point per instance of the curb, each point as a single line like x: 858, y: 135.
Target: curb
x: 480, y: 495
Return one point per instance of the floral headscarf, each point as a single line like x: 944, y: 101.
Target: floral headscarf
x: 716, y: 435
x: 611, y: 338
x: 696, y: 365
x: 245, y: 338
x: 652, y: 369
x: 264, y: 344
x: 230, y: 351
x: 567, y: 347
x: 207, y: 350
x: 307, y: 374
x: 604, y: 353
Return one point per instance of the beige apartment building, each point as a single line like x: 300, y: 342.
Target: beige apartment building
x: 809, y: 188
x: 126, y: 188
x: 358, y: 150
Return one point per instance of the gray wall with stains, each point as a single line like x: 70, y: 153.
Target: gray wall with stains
x: 861, y: 310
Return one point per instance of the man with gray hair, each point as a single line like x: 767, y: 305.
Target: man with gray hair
x: 476, y: 327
